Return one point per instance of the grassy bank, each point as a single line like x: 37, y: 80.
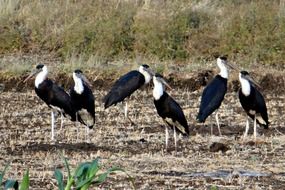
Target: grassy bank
x: 180, y: 31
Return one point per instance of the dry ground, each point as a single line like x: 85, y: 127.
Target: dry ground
x: 25, y: 142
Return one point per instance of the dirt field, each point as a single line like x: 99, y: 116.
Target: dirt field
x: 26, y: 143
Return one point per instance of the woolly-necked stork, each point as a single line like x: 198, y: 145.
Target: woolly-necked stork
x: 82, y: 96
x: 53, y: 95
x: 214, y: 93
x: 168, y: 109
x: 126, y: 85
x: 252, y: 102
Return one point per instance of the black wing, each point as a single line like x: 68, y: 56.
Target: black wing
x: 83, y: 101
x: 54, y: 95
x: 86, y: 100
x: 262, y: 109
x: 256, y: 102
x: 212, y: 97
x: 167, y: 107
x: 124, y: 87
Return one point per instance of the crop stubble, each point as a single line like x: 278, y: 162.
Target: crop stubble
x: 25, y: 142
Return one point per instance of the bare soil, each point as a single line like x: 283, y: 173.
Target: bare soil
x: 202, y: 161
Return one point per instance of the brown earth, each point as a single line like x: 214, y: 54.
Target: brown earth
x: 201, y: 162
x: 270, y: 81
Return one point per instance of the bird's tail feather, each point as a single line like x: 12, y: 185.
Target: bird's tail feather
x: 86, y: 123
x: 183, y: 130
x: 79, y: 118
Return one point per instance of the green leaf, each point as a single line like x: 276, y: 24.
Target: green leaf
x: 102, y: 177
x: 214, y: 188
x: 3, y: 173
x: 81, y: 172
x: 25, y: 181
x: 59, y: 177
x: 84, y: 182
x: 94, y: 168
x: 11, y: 184
x: 67, y: 167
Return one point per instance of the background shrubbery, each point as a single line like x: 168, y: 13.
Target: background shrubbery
x: 251, y: 31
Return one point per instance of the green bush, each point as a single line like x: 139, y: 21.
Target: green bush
x: 180, y: 30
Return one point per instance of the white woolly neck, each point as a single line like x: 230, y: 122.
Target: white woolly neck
x: 41, y: 76
x: 223, y: 69
x: 245, y: 86
x: 158, y: 89
x: 147, y: 76
x: 78, y: 84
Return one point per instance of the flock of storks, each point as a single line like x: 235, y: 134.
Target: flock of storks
x: 81, y: 97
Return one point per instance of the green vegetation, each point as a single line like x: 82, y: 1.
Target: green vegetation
x: 247, y: 31
x: 14, y: 184
x: 86, y: 175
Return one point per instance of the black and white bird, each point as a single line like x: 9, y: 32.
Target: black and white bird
x: 126, y: 85
x: 53, y: 95
x: 168, y: 109
x: 82, y: 96
x: 252, y: 102
x: 214, y: 93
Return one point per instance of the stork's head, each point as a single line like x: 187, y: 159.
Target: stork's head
x: 244, y: 75
x: 147, y: 72
x: 78, y: 75
x: 39, y: 68
x: 158, y: 79
x: 159, y: 86
x: 223, y: 64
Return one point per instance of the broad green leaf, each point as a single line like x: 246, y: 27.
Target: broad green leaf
x: 3, y: 173
x: 11, y: 184
x: 25, y: 181
x: 94, y: 168
x: 59, y: 177
x: 82, y: 169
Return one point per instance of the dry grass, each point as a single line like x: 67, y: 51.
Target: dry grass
x: 248, y: 31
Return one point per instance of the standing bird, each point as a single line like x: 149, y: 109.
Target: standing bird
x: 168, y: 108
x: 126, y: 85
x: 82, y: 96
x: 54, y: 96
x: 214, y: 93
x: 252, y: 102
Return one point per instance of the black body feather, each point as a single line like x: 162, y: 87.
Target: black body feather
x: 212, y: 97
x: 167, y: 107
x: 255, y: 102
x: 54, y: 95
x: 123, y: 88
x: 85, y: 100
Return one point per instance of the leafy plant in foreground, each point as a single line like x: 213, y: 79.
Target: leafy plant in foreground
x: 85, y: 175
x: 14, y: 184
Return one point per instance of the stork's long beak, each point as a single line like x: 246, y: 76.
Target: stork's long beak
x: 166, y: 84
x: 233, y: 66
x: 33, y: 73
x: 252, y: 80
x: 86, y: 81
